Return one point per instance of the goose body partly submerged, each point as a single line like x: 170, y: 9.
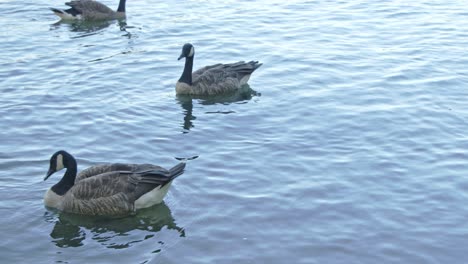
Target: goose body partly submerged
x: 110, y: 189
x: 215, y: 79
x: 90, y: 10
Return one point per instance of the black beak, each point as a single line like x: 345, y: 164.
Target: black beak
x: 50, y: 172
x: 181, y: 56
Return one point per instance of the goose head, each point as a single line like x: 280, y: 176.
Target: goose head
x: 59, y: 160
x: 188, y: 51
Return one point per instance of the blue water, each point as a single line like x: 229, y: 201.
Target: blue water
x: 350, y: 147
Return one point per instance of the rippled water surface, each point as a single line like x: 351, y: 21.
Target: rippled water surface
x: 349, y: 147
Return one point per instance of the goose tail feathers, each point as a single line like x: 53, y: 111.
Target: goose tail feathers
x: 177, y: 170
x: 68, y: 14
x: 58, y: 12
x: 161, y: 176
x: 255, y: 65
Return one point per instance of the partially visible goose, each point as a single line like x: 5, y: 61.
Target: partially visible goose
x: 90, y: 10
x: 112, y: 189
x: 215, y: 79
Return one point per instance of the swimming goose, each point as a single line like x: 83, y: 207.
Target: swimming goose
x: 110, y: 189
x: 90, y: 10
x: 215, y: 79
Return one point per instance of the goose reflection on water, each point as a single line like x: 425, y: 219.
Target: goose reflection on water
x: 89, y: 28
x: 72, y: 230
x: 242, y: 96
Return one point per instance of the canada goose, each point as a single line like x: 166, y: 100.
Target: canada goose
x: 111, y: 189
x: 90, y: 10
x: 214, y: 79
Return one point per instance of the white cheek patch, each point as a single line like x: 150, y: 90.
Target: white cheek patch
x: 192, y: 50
x: 59, y: 162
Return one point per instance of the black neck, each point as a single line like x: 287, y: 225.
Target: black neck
x: 121, y: 7
x: 187, y: 74
x: 68, y: 179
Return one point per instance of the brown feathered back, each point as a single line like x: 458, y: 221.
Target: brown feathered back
x: 222, y: 78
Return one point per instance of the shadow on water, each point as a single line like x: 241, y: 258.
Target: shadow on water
x: 241, y: 96
x: 72, y: 230
x: 89, y: 28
